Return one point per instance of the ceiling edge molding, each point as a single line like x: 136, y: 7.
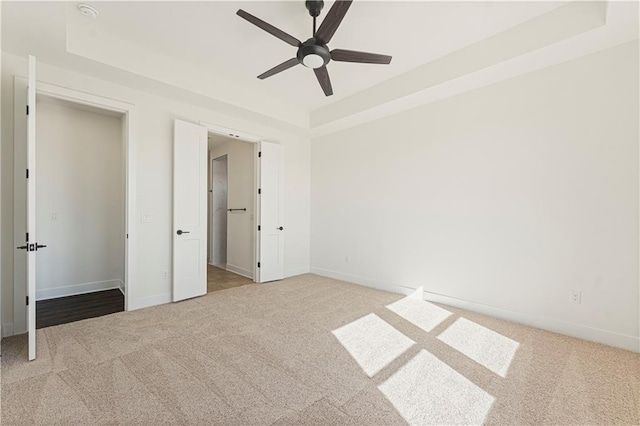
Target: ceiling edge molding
x: 518, y: 50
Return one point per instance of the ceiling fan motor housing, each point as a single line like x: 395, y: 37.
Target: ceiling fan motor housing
x: 313, y: 53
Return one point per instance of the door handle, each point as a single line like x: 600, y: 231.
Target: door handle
x: 180, y: 232
x: 39, y: 246
x: 23, y: 248
x: 280, y: 228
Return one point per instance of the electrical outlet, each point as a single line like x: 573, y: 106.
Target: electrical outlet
x: 165, y: 275
x: 576, y: 296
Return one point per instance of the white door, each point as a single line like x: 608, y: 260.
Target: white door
x: 271, y: 233
x: 31, y: 244
x: 189, y: 210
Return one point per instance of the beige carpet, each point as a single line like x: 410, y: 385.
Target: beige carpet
x: 313, y: 351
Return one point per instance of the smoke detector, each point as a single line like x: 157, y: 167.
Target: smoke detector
x: 87, y: 10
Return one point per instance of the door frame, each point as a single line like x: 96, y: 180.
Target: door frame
x: 255, y: 140
x: 129, y: 112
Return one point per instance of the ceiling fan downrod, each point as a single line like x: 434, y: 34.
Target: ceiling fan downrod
x: 314, y: 7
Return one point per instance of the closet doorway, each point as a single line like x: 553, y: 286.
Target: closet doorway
x: 80, y: 198
x: 54, y: 225
x: 231, y: 212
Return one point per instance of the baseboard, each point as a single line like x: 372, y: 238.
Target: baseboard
x: 145, y: 302
x: 72, y: 290
x: 597, y: 335
x: 7, y: 329
x: 121, y: 287
x: 295, y: 271
x: 380, y: 285
x: 240, y: 271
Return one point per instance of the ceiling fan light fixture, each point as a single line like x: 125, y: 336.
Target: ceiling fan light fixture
x: 313, y: 61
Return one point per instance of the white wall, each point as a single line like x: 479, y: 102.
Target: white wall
x: 80, y: 201
x: 153, y: 178
x: 502, y: 199
x: 241, y: 194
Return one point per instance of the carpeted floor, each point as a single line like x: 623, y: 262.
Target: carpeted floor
x: 313, y: 351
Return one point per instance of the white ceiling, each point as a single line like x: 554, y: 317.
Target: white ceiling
x: 209, y: 36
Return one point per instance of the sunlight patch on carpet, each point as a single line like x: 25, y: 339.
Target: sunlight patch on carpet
x: 414, y: 309
x: 427, y: 391
x: 372, y: 342
x: 486, y: 347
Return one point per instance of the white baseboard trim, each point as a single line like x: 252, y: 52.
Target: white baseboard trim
x: 393, y: 288
x: 219, y: 265
x: 121, y: 287
x: 7, y: 329
x: 611, y: 338
x: 145, y: 302
x: 296, y: 271
x: 72, y: 290
x: 240, y: 271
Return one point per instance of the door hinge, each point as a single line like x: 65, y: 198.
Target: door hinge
x: 259, y: 190
x: 260, y: 154
x: 27, y: 173
x: 26, y: 237
x: 258, y: 264
x: 27, y: 300
x: 27, y: 109
x: 258, y: 227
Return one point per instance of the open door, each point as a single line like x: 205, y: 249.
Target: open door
x: 189, y: 210
x: 31, y: 237
x: 271, y: 224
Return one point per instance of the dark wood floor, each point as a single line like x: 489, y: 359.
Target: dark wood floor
x: 75, y: 308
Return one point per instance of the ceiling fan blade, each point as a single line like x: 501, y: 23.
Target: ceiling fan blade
x: 279, y: 68
x: 323, y: 79
x: 342, y: 55
x: 332, y: 21
x: 269, y: 28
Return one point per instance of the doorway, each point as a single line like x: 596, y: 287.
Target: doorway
x: 218, y: 212
x: 231, y: 212
x: 80, y: 216
x: 29, y: 247
x: 192, y: 208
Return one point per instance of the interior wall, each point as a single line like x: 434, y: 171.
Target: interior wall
x: 153, y: 178
x: 240, y: 194
x: 503, y: 199
x: 219, y: 192
x: 80, y: 201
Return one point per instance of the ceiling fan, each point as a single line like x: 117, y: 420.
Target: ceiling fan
x: 314, y: 52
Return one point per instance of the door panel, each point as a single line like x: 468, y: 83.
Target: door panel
x: 189, y: 210
x: 271, y: 235
x: 31, y: 208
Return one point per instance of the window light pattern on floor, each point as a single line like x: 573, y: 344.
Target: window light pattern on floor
x: 372, y: 342
x: 414, y: 309
x: 426, y: 391
x: 482, y: 345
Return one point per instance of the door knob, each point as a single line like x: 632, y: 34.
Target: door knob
x: 180, y: 232
x: 280, y: 228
